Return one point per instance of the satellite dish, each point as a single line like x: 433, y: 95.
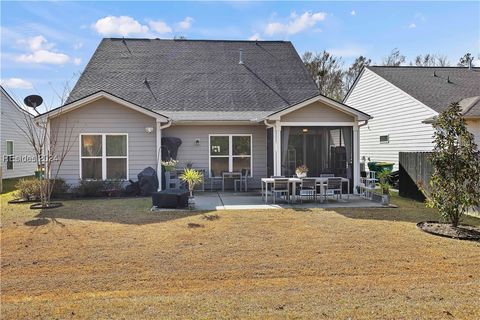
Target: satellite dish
x: 33, y: 101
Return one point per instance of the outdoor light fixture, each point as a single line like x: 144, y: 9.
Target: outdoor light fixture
x: 305, y: 130
x: 148, y: 129
x: 197, y: 142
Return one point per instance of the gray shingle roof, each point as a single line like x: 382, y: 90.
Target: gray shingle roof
x: 198, y: 76
x: 433, y: 91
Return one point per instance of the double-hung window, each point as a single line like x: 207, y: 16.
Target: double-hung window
x: 104, y: 156
x: 9, y: 154
x: 230, y: 153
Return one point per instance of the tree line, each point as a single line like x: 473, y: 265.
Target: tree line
x: 334, y: 81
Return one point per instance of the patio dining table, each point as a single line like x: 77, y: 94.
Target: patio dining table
x: 229, y: 175
x: 320, y: 181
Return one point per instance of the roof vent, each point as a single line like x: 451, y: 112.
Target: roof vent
x: 470, y: 63
x: 240, y: 61
x: 434, y: 73
x: 448, y: 79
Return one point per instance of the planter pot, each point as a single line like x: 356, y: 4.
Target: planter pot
x: 385, y: 200
x: 301, y: 175
x: 191, y: 203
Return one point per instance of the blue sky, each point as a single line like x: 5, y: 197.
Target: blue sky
x: 44, y: 44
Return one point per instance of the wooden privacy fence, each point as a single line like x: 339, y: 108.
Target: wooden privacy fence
x: 415, y: 170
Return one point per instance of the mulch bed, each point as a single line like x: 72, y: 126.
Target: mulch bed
x: 462, y: 232
x: 52, y: 205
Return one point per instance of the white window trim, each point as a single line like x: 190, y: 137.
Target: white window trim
x: 104, y: 156
x: 10, y: 155
x: 230, y: 155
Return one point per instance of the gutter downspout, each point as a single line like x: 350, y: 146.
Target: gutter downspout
x: 159, y: 150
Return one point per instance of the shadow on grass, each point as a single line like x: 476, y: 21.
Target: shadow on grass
x: 135, y: 211
x: 408, y: 211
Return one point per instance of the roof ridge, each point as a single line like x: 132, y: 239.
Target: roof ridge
x: 423, y: 67
x: 194, y: 40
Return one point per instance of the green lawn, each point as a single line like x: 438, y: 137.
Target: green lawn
x: 115, y: 259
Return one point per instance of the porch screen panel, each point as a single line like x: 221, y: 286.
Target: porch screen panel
x: 321, y: 149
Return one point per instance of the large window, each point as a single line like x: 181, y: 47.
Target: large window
x: 9, y: 155
x: 230, y: 153
x: 104, y: 156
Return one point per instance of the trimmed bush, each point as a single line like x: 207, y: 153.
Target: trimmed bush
x: 30, y: 189
x: 98, y: 188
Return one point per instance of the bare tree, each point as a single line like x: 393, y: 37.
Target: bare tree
x: 354, y: 70
x: 327, y: 72
x: 394, y: 59
x: 50, y: 143
x: 466, y: 60
x: 430, y: 60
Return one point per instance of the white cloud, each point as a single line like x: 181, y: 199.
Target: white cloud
x: 77, y: 61
x: 295, y: 23
x: 41, y: 51
x: 160, y: 26
x: 16, y: 83
x: 255, y: 36
x: 120, y: 26
x: 353, y: 13
x: 412, y: 25
x: 185, y: 24
x: 44, y: 56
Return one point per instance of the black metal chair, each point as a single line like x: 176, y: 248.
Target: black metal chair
x: 334, y: 185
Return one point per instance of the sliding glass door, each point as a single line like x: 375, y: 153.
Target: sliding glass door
x: 321, y: 149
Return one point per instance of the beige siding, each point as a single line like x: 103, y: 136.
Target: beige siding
x: 105, y: 116
x: 11, y: 118
x: 317, y: 112
x: 199, y: 155
x: 474, y: 128
x: 394, y: 113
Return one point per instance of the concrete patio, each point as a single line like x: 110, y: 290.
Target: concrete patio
x: 253, y: 200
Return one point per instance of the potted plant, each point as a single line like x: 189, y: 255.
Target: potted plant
x: 384, y: 186
x: 301, y: 171
x: 191, y: 177
x: 170, y: 165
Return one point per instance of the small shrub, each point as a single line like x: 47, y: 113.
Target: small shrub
x: 28, y: 189
x: 99, y: 188
x: 60, y: 188
x: 90, y: 188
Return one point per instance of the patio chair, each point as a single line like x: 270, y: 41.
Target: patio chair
x: 280, y: 186
x: 334, y: 187
x: 213, y: 179
x: 276, y: 177
x: 308, y: 189
x: 243, y: 180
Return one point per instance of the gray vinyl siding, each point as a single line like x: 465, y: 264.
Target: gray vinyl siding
x: 317, y: 112
x: 395, y: 113
x: 11, y: 118
x: 105, y: 116
x: 199, y: 155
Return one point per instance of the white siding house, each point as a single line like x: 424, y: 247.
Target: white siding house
x: 401, y: 101
x: 15, y: 149
x: 396, y: 115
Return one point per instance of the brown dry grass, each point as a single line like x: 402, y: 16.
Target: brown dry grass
x: 114, y: 259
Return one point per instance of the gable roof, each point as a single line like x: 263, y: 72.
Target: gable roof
x: 178, y: 76
x: 433, y: 90
x: 9, y: 97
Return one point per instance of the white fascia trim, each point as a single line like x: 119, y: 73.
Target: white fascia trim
x: 99, y: 95
x: 336, y: 105
x: 318, y: 124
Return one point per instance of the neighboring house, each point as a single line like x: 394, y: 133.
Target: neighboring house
x: 402, y: 102
x: 18, y: 157
x: 234, y: 104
